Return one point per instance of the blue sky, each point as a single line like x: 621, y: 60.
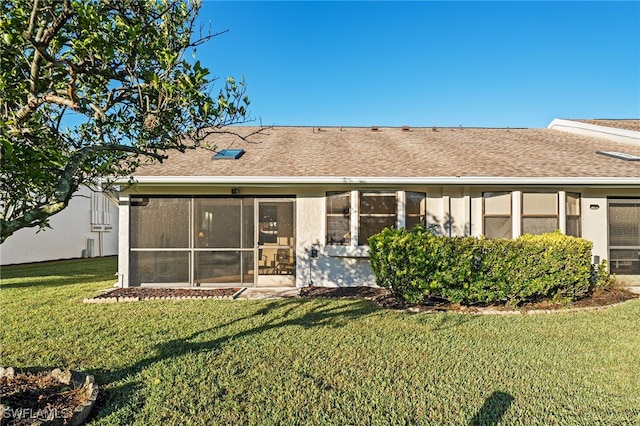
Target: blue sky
x: 487, y: 64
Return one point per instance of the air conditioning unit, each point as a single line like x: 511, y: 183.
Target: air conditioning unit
x: 88, y: 250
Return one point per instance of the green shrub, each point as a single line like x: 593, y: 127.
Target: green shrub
x: 417, y: 264
x: 600, y: 277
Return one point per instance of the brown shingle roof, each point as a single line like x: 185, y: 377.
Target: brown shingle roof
x: 630, y: 124
x: 392, y: 152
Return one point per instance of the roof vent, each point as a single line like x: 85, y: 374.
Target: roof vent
x: 405, y: 128
x: 228, y: 154
x: 434, y: 129
x: 619, y: 155
x: 374, y: 128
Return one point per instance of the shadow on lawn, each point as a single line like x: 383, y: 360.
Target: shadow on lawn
x: 57, y: 281
x: 323, y: 314
x: 493, y: 409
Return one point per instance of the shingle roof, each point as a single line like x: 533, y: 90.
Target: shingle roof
x: 393, y: 152
x: 630, y: 124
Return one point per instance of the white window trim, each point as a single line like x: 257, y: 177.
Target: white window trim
x: 516, y: 214
x: 401, y: 209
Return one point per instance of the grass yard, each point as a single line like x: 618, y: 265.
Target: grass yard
x: 318, y: 361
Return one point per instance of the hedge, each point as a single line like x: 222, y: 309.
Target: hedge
x: 417, y: 264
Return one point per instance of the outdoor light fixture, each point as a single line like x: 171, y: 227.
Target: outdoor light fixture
x: 594, y: 207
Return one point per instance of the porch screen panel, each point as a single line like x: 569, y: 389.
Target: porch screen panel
x: 338, y: 208
x: 247, y: 268
x: 248, y: 227
x: 218, y: 267
x: 497, y: 214
x: 159, y: 267
x: 539, y: 212
x: 624, y: 236
x: 415, y: 209
x: 159, y: 222
x: 378, y: 210
x: 624, y: 224
x: 218, y: 222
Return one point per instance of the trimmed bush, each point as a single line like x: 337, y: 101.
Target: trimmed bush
x: 417, y: 264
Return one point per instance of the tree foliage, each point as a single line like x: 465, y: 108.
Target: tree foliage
x: 91, y: 88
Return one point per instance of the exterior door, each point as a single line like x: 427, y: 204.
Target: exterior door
x: 624, y: 236
x: 275, y: 256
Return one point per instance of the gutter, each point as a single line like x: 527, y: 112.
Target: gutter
x: 267, y: 181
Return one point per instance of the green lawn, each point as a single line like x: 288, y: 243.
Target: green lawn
x: 319, y: 361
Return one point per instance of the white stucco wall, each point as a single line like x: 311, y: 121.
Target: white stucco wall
x: 335, y: 266
x: 70, y: 230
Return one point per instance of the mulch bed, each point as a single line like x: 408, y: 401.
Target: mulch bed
x: 147, y: 293
x: 32, y: 397
x: 383, y: 298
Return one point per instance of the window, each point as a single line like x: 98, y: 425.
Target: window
x: 574, y: 226
x: 497, y: 214
x: 338, y: 218
x: 378, y: 210
x: 539, y: 212
x: 415, y: 209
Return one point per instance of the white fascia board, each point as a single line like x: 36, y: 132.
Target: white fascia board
x: 630, y: 137
x: 266, y: 181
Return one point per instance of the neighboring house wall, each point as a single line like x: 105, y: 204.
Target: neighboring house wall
x: 88, y: 227
x: 456, y: 211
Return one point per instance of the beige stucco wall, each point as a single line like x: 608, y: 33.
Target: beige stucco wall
x: 70, y: 230
x: 457, y: 211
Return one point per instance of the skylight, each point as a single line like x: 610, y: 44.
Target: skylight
x: 619, y: 155
x: 228, y: 154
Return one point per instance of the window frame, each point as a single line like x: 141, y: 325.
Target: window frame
x: 499, y: 216
x: 423, y: 209
x: 568, y: 216
x: 346, y: 213
x: 524, y: 216
x: 361, y: 215
x: 355, y: 213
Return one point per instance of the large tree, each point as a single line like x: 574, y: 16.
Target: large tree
x: 91, y: 88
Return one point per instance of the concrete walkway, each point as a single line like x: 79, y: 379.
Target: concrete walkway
x: 252, y: 293
x: 631, y: 282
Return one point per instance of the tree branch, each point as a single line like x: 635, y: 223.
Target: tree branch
x: 32, y: 17
x: 57, y: 24
x: 34, y: 102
